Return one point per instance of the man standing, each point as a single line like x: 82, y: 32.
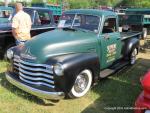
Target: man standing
x: 21, y: 25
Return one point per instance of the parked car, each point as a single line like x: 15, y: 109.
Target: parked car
x: 69, y: 60
x: 42, y: 21
x: 5, y: 13
x: 142, y: 104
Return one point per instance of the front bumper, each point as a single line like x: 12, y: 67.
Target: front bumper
x: 34, y: 91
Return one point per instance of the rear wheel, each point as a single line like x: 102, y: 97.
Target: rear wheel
x: 145, y: 32
x: 133, y: 55
x: 82, y: 84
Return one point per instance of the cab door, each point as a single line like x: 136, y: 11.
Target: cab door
x: 110, y: 41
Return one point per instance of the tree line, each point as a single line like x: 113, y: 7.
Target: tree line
x: 74, y: 4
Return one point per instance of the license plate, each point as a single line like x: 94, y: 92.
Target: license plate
x: 147, y: 111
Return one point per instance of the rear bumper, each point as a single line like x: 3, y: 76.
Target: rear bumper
x: 34, y: 91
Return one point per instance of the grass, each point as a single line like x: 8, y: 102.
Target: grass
x: 118, y: 90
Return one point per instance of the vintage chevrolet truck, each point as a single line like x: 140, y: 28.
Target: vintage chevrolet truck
x: 42, y: 21
x: 69, y: 60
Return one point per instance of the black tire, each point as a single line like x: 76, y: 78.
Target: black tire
x: 82, y: 84
x: 132, y: 56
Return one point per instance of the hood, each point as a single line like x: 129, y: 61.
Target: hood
x: 59, y: 42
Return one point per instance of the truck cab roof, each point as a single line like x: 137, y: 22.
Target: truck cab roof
x: 3, y: 8
x: 37, y: 8
x: 141, y: 11
x: 92, y: 12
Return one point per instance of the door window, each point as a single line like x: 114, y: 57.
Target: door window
x: 43, y: 18
x: 109, y: 26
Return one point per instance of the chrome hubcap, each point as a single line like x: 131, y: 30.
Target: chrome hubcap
x: 133, y: 56
x: 81, y: 83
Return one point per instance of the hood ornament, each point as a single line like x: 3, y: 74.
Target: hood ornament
x: 27, y: 54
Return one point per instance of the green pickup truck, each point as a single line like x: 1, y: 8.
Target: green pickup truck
x: 137, y: 19
x: 67, y: 61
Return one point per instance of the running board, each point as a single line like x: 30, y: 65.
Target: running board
x: 106, y: 73
x: 113, y: 69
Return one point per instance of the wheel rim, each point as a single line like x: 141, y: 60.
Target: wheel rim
x: 82, y: 83
x: 133, y: 56
x: 145, y: 33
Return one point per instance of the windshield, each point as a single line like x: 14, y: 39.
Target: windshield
x: 85, y: 22
x: 5, y: 14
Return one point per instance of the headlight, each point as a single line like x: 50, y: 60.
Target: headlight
x: 10, y: 53
x: 58, y: 69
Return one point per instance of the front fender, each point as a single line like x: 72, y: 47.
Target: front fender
x: 73, y: 64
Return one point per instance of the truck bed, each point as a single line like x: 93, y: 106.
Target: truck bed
x: 126, y: 35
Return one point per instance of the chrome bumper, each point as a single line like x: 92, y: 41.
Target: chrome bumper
x: 36, y: 92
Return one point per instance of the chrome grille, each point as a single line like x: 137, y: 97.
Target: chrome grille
x: 36, y: 74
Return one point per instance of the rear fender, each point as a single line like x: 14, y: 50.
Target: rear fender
x: 130, y: 44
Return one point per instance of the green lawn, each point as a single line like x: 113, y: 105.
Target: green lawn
x: 118, y: 90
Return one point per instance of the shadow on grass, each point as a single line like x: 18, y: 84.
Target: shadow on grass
x: 118, y: 92
x: 23, y: 94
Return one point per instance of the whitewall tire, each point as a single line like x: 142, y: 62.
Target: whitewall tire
x: 133, y: 56
x: 82, y: 84
x: 145, y: 33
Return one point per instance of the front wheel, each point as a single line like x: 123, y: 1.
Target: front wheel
x: 82, y: 84
x: 133, y: 55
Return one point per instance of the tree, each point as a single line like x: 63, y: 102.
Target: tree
x: 136, y: 3
x: 37, y: 1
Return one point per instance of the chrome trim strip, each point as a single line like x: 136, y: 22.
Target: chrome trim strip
x: 43, y: 28
x: 35, y: 79
x: 16, y: 64
x: 16, y: 56
x: 34, y: 69
x: 31, y: 29
x: 36, y: 92
x: 36, y: 74
x: 16, y: 67
x: 33, y: 64
x: 36, y: 83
